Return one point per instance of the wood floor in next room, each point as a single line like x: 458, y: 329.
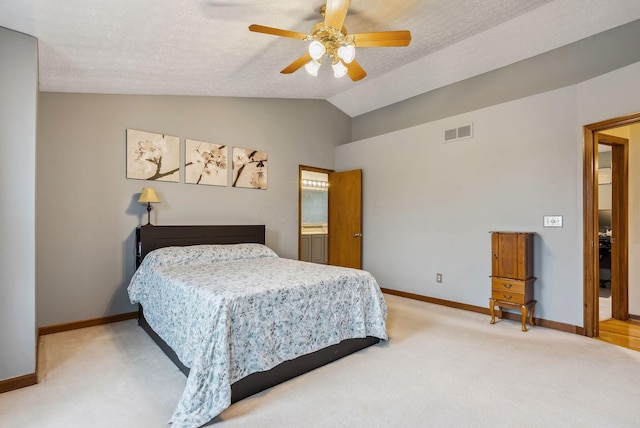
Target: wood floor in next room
x: 621, y: 333
x: 616, y: 332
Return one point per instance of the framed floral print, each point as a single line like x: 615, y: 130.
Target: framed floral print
x: 152, y: 156
x: 249, y: 168
x: 205, y: 163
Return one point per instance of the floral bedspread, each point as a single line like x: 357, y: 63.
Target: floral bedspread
x: 232, y: 310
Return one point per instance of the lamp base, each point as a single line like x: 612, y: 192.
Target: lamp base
x: 149, y: 208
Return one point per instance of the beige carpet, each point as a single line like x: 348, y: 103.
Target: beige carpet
x: 442, y: 368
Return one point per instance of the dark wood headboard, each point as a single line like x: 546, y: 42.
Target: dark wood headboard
x: 149, y: 238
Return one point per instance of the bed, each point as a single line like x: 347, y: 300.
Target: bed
x: 237, y: 319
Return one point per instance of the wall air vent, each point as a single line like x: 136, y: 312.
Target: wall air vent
x: 459, y: 133
x: 451, y: 134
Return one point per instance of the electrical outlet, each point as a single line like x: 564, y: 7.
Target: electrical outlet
x: 439, y: 277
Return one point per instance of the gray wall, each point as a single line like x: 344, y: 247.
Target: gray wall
x: 428, y: 206
x: 87, y: 209
x: 18, y: 99
x: 568, y: 65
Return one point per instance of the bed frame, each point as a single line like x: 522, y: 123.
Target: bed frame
x: 149, y: 237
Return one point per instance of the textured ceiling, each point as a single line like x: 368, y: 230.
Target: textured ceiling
x: 203, y: 47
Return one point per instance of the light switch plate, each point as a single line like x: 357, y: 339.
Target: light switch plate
x: 552, y: 221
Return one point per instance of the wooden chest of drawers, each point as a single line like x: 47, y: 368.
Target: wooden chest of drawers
x: 512, y: 274
x: 512, y: 290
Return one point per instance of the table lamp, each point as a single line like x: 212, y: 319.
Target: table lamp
x: 147, y: 196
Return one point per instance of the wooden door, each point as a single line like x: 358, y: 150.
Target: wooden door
x: 345, y: 219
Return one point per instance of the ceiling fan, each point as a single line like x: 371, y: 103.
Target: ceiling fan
x: 329, y: 39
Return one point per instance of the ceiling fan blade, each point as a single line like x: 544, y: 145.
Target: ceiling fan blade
x: 335, y: 13
x: 355, y: 71
x: 276, y: 32
x: 295, y: 65
x: 382, y: 39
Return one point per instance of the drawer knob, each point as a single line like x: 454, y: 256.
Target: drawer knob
x: 506, y: 285
x: 509, y: 297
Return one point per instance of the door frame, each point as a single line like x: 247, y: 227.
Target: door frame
x: 300, y: 169
x: 620, y: 224
x: 590, y: 218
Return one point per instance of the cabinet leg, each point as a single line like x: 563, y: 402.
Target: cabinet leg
x: 531, y: 312
x: 523, y: 311
x: 492, y: 310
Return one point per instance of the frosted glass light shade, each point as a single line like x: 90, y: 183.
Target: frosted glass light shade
x: 316, y: 49
x: 339, y: 69
x: 312, y: 67
x: 347, y: 53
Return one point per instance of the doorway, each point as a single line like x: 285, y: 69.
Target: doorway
x: 613, y: 184
x: 313, y: 215
x: 341, y: 243
x: 595, y: 134
x: 605, y: 225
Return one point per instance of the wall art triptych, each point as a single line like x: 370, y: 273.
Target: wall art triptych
x: 152, y: 156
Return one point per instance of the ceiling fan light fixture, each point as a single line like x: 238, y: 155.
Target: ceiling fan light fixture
x: 312, y: 67
x: 347, y: 53
x: 316, y: 49
x: 339, y: 69
x: 329, y: 38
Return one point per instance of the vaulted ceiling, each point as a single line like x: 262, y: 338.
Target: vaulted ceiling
x: 204, y: 47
